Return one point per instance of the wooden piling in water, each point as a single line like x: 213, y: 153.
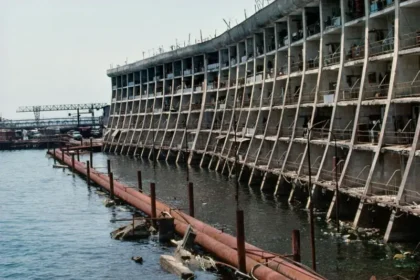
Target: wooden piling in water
x: 111, y: 184
x: 91, y: 153
x: 88, y: 172
x: 72, y: 162
x: 240, y: 240
x: 153, y: 201
x: 191, y: 198
x: 139, y: 182
x: 78, y: 155
x: 108, y: 165
x: 296, y: 245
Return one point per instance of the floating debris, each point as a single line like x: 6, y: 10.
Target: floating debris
x: 137, y: 259
x: 399, y: 257
x: 109, y: 202
x: 137, y: 230
x: 172, y: 265
x: 98, y: 192
x: 60, y: 166
x: 123, y: 209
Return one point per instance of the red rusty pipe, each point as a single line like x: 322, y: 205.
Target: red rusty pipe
x: 222, y: 251
x: 282, y: 265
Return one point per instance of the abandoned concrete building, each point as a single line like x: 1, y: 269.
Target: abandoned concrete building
x: 344, y: 73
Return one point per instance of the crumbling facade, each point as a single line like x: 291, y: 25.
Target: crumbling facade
x: 344, y: 73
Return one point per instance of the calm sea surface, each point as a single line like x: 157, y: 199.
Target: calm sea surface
x: 53, y: 226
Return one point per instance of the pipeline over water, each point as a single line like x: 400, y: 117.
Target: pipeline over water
x: 220, y: 244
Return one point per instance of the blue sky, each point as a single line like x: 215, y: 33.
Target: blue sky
x: 54, y: 52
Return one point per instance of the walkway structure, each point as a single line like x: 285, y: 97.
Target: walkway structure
x: 90, y: 107
x: 346, y: 69
x: 51, y: 122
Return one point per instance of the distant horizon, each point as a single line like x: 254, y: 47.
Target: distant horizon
x: 59, y: 52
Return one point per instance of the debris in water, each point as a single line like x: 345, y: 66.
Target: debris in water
x: 60, y: 166
x: 399, y: 257
x: 172, y: 265
x: 123, y: 209
x: 109, y: 202
x: 141, y: 230
x: 137, y: 259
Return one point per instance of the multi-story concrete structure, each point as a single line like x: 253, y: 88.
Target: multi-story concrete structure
x: 348, y: 70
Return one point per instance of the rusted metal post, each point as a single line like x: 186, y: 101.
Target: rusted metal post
x: 296, y: 245
x: 191, y: 198
x: 55, y: 155
x: 240, y: 240
x: 153, y: 202
x: 111, y: 184
x: 78, y: 154
x: 91, y: 153
x: 108, y: 165
x: 72, y: 162
x: 88, y: 172
x: 139, y: 182
x: 311, y: 204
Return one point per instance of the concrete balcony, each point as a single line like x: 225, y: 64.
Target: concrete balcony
x: 381, y: 47
x: 333, y: 58
x: 277, y: 101
x: 312, y: 63
x: 356, y: 52
x: 185, y: 107
x: 326, y: 97
x: 348, y: 94
x: 210, y: 105
x: 370, y: 136
x: 308, y: 97
x: 248, y: 131
x: 271, y: 131
x: 266, y: 101
x: 213, y: 67
x: 296, y: 66
x: 292, y: 98
x: 403, y: 137
x: 355, y: 184
x: 410, y: 40
x: 376, y: 92
x: 343, y: 134
x: 205, y: 125
x: 407, y: 89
